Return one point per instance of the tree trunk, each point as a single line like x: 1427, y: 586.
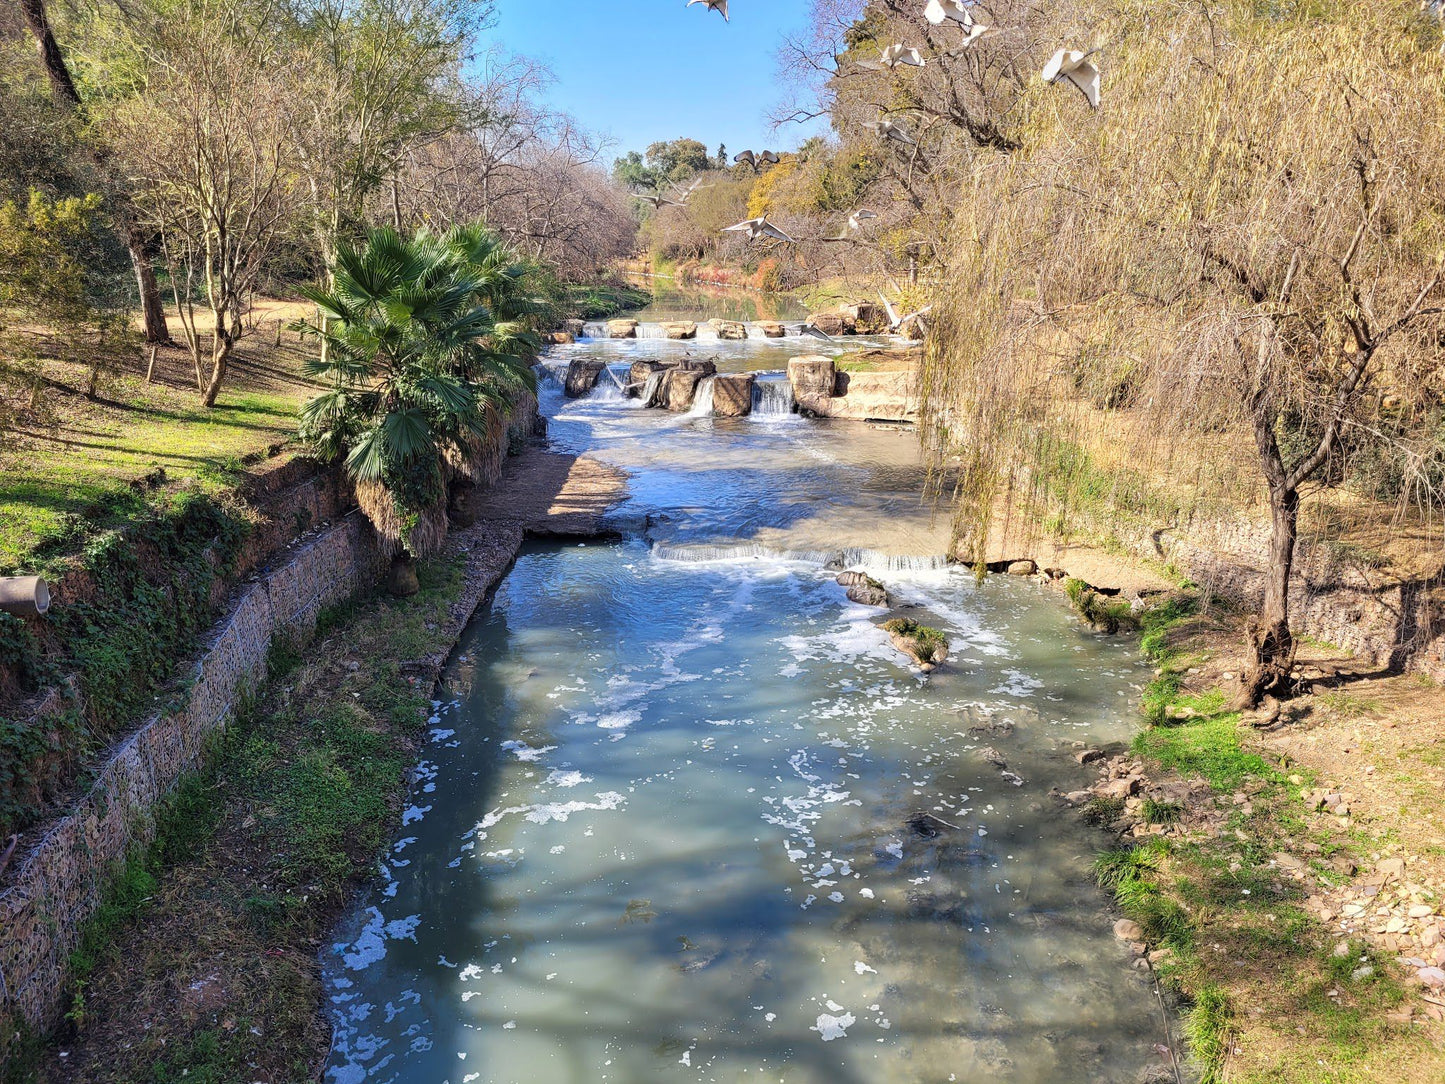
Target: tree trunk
x: 1269, y: 634
x: 62, y: 86
x: 153, y: 312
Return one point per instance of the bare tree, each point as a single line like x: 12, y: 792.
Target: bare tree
x: 208, y: 144
x: 63, y: 88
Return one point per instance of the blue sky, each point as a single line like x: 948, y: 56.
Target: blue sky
x: 649, y: 70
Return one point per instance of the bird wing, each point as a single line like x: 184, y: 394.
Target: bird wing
x: 773, y: 231
x: 934, y: 13
x: 913, y: 58
x: 1055, y: 66
x: 865, y: 214
x: 892, y: 312
x: 742, y: 227
x: 817, y: 333
x: 723, y: 7
x: 1087, y: 78
x: 900, y: 133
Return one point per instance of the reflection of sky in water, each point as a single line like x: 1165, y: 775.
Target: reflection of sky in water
x: 660, y: 834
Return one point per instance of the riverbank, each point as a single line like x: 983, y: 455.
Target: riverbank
x: 1283, y: 872
x: 203, y: 961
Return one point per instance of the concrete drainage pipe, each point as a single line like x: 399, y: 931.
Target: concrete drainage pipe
x: 24, y: 595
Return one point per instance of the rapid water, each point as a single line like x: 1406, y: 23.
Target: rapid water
x: 686, y: 815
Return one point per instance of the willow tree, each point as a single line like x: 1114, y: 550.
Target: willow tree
x: 1229, y: 276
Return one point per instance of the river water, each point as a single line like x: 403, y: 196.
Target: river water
x: 686, y: 815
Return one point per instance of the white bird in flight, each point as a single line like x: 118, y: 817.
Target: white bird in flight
x: 816, y: 332
x: 657, y: 200
x: 758, y: 228
x: 976, y: 32
x: 854, y: 223
x: 896, y: 55
x: 714, y: 5
x: 940, y: 11
x: 1077, y: 68
x: 897, y: 323
x: 888, y: 129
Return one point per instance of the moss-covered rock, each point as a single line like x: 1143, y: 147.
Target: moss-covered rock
x: 927, y: 647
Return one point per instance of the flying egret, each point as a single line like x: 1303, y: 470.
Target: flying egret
x: 888, y: 129
x: 897, y: 323
x: 940, y: 11
x: 894, y: 56
x: 746, y: 156
x: 975, y: 33
x: 714, y: 5
x: 758, y: 228
x: 1077, y: 68
x: 657, y: 200
x: 685, y: 194
x: 854, y: 224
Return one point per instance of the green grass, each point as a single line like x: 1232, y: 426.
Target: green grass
x: 79, y: 483
x: 254, y: 859
x: 598, y: 301
x: 1206, y: 1028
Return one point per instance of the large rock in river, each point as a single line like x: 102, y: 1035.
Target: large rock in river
x: 679, y: 329
x: 640, y: 371
x: 622, y: 329
x: 679, y: 389
x: 868, y: 318
x: 832, y: 323
x: 729, y: 329
x: 813, y: 377
x: 575, y: 328
x: 582, y: 376
x: 732, y: 395
x: 771, y: 329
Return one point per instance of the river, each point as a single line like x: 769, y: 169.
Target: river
x: 686, y: 815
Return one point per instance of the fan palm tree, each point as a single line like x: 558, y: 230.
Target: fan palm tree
x: 420, y: 373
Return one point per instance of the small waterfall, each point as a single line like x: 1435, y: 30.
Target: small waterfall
x: 594, y: 331
x: 832, y: 560
x: 703, y: 400
x: 650, y: 390
x: 773, y: 398
x: 553, y: 371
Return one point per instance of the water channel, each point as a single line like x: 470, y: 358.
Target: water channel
x: 667, y: 827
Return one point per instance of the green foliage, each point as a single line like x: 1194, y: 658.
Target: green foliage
x: 151, y: 603
x: 1206, y: 1027
x: 426, y: 345
x: 602, y: 300
x: 930, y: 643
x: 1101, y: 612
x: 1102, y: 811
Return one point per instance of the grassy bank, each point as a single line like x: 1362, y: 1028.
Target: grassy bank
x: 202, y: 964
x: 1221, y: 881
x: 602, y: 300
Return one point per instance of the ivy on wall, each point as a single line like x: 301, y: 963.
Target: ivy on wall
x: 152, y: 601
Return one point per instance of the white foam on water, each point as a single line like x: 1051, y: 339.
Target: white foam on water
x: 834, y: 1027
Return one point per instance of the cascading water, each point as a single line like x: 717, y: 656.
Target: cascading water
x: 650, y: 390
x: 666, y: 827
x: 702, y: 402
x: 773, y: 397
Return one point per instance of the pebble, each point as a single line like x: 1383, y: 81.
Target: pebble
x: 1128, y: 930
